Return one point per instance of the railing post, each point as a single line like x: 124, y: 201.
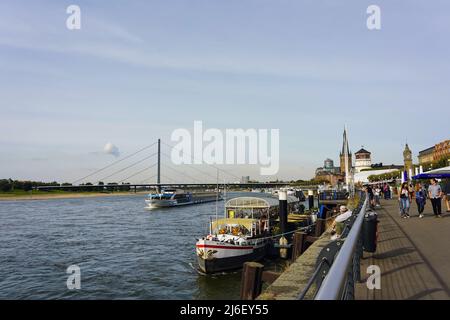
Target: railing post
x: 251, y: 282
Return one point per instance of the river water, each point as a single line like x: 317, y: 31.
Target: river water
x: 123, y: 250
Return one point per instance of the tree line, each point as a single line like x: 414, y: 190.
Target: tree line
x: 9, y: 185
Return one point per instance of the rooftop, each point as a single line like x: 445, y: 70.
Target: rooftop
x: 256, y: 202
x: 428, y: 150
x: 363, y: 151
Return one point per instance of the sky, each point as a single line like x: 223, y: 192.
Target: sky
x: 138, y: 70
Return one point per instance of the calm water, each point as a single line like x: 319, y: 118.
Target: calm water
x: 124, y: 251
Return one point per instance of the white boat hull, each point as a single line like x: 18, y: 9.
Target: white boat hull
x: 217, y: 256
x: 154, y: 204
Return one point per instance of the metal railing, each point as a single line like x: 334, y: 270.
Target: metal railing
x: 339, y: 283
x: 343, y: 256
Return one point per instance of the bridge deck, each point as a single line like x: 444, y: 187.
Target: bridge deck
x: 413, y: 255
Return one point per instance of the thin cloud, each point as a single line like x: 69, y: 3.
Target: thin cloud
x: 111, y: 149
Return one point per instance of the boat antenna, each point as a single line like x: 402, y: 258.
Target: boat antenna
x: 217, y: 197
x: 224, y: 198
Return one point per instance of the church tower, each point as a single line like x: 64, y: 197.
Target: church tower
x: 345, y: 149
x: 407, y: 158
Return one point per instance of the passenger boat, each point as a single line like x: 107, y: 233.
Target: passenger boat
x: 232, y: 242
x: 176, y: 197
x: 244, y: 234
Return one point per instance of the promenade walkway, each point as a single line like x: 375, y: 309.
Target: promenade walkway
x: 413, y: 255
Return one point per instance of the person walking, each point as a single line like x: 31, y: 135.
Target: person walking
x: 435, y: 193
x: 405, y: 200
x: 377, y: 195
x: 411, y: 191
x: 421, y: 198
x: 386, y: 191
x: 446, y: 191
x: 371, y: 196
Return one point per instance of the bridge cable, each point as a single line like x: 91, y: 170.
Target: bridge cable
x: 132, y: 165
x: 193, y: 167
x: 182, y: 173
x: 192, y: 157
x: 145, y: 169
x: 146, y: 179
x: 114, y: 163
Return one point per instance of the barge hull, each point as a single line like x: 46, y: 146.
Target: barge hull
x: 230, y: 263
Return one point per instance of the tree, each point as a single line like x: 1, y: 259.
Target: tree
x: 5, y: 185
x: 27, y: 186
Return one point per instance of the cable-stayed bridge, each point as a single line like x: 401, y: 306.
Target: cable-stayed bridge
x: 151, y: 167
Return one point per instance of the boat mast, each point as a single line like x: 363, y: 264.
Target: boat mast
x: 217, y: 197
x: 224, y: 198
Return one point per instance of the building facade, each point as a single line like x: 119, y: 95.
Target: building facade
x: 363, y: 160
x: 426, y: 156
x: 332, y: 178
x: 437, y: 152
x: 441, y: 150
x: 327, y: 169
x: 328, y: 165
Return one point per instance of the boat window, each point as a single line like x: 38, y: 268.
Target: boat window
x: 235, y: 230
x: 161, y: 196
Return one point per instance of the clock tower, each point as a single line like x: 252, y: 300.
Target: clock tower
x: 407, y: 158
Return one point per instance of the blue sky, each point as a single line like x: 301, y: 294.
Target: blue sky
x: 137, y: 70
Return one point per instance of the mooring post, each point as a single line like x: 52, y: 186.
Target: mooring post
x: 310, y: 199
x: 320, y: 227
x: 251, y: 283
x: 318, y: 199
x: 298, y: 245
x: 283, y: 213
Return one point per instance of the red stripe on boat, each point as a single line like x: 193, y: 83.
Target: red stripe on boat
x: 221, y: 247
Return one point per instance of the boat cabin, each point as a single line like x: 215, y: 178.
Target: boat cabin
x: 256, y: 207
x: 248, y: 216
x: 237, y: 227
x: 169, y: 194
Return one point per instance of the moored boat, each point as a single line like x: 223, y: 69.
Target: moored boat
x: 243, y: 235
x: 231, y: 243
x: 176, y: 197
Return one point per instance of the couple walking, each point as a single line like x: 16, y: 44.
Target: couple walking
x: 434, y: 194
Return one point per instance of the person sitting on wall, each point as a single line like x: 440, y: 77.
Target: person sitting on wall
x: 338, y: 223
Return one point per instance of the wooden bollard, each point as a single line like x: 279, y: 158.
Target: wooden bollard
x: 320, y: 227
x: 298, y: 245
x: 251, y: 282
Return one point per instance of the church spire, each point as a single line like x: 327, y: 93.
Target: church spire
x: 345, y: 156
x: 345, y: 143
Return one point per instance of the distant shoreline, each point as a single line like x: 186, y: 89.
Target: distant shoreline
x: 69, y: 195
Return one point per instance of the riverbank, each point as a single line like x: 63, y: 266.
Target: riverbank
x: 62, y: 195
